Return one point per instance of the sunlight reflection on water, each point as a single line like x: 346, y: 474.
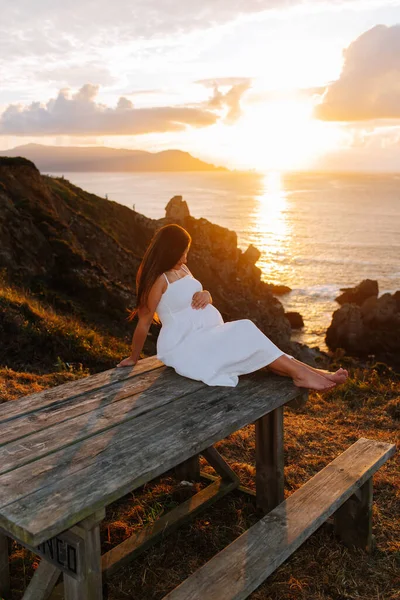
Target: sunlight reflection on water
x: 270, y: 230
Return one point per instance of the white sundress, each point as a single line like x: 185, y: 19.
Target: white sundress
x: 199, y: 345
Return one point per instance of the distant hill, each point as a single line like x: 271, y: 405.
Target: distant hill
x: 64, y: 159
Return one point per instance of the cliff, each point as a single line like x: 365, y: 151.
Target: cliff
x: 80, y: 253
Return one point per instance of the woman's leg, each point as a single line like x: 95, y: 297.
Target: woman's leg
x: 301, y: 375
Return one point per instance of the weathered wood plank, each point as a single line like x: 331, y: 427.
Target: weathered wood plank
x: 64, y: 487
x: 221, y: 467
x: 155, y: 393
x: 91, y: 586
x: 33, y: 402
x: 353, y: 520
x: 42, y: 583
x: 239, y: 569
x: 4, y: 567
x: 270, y: 460
x: 41, y: 419
x: 136, y: 544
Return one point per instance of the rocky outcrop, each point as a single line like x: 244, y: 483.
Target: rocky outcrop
x: 371, y: 326
x: 176, y: 210
x: 295, y: 319
x: 82, y: 252
x: 359, y: 293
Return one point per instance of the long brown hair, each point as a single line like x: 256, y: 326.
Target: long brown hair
x: 164, y: 251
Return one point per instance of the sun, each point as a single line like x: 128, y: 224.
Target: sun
x: 282, y: 136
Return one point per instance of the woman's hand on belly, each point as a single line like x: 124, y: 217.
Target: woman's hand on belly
x: 201, y: 299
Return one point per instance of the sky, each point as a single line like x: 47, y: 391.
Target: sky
x: 247, y: 84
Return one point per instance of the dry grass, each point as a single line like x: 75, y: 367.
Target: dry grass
x: 38, y: 339
x: 322, y: 569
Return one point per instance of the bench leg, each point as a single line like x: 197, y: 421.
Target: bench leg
x: 90, y: 587
x: 269, y: 460
x: 353, y: 520
x: 189, y: 470
x: 5, y: 585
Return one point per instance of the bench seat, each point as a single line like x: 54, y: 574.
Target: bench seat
x: 239, y: 569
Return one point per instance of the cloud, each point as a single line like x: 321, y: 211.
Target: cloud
x: 80, y: 114
x: 369, y: 85
x: 75, y: 73
x: 367, y: 149
x: 40, y: 27
x: 230, y: 99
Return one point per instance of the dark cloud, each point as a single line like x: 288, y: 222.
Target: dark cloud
x: 369, y: 85
x: 80, y: 114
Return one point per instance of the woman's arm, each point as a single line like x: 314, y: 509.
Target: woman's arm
x: 146, y: 315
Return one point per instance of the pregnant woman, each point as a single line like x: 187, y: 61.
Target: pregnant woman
x: 194, y: 339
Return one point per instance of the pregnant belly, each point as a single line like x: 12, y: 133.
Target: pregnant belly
x: 206, y: 317
x: 185, y: 324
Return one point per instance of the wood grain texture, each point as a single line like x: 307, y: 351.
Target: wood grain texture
x: 42, y: 583
x: 353, y: 520
x: 4, y: 567
x: 58, y: 412
x: 239, y: 569
x: 60, y: 393
x: 270, y: 460
x: 112, y: 412
x: 47, y: 496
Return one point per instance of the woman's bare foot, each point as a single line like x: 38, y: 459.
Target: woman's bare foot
x: 338, y: 376
x: 311, y: 380
x: 127, y: 362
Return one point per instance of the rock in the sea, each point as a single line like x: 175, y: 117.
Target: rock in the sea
x: 372, y: 328
x: 376, y: 311
x: 347, y: 329
x: 278, y: 290
x: 359, y: 293
x: 396, y: 296
x: 295, y: 319
x: 177, y: 210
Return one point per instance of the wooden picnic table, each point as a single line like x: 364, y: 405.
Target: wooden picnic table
x: 68, y: 452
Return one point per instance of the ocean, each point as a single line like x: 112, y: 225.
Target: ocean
x: 317, y: 232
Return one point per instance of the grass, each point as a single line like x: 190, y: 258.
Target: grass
x: 38, y: 339
x: 367, y: 405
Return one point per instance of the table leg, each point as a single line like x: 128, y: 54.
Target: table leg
x: 5, y: 586
x: 189, y: 470
x: 270, y: 460
x: 90, y: 587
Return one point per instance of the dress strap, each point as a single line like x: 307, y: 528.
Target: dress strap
x: 184, y: 267
x: 166, y: 278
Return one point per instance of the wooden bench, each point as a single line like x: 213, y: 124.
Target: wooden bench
x: 68, y: 452
x: 343, y: 489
